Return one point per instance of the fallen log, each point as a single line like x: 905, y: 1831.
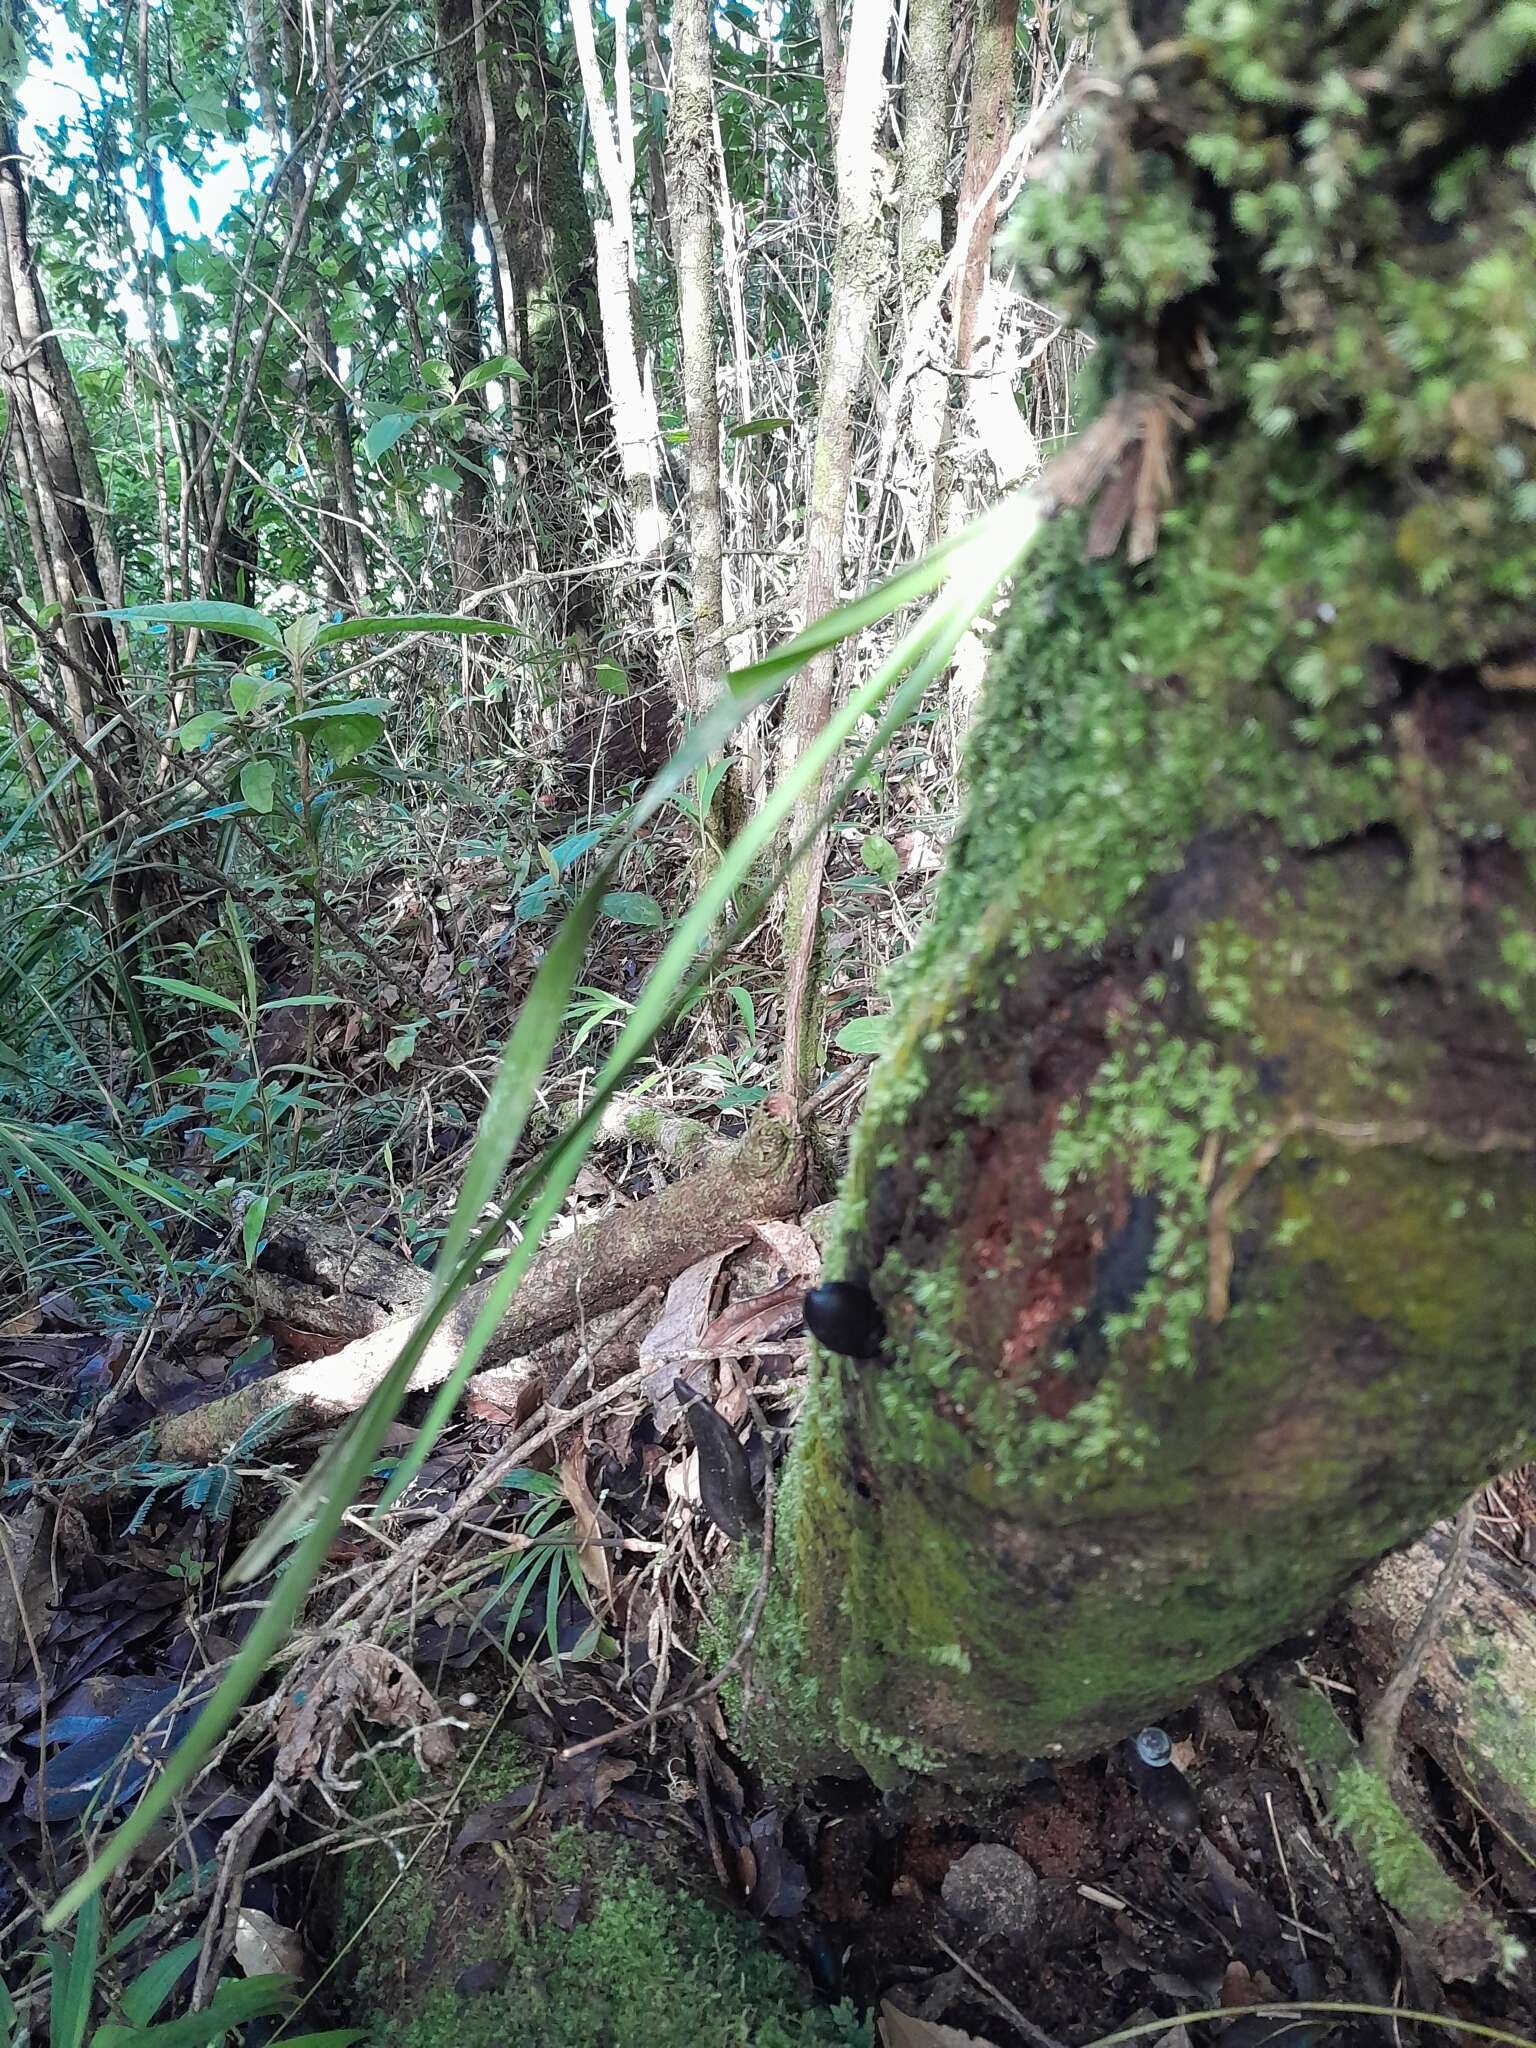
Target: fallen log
x: 1473, y: 1706
x: 1458, y: 1939
x: 317, y: 1276
x: 600, y: 1266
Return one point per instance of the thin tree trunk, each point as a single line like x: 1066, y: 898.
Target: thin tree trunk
x: 860, y: 270
x: 691, y: 135
x: 831, y: 64
x: 636, y: 427
x: 656, y: 90
x: 465, y: 352
x: 341, y: 522
x: 991, y: 119
x: 925, y: 102
x: 507, y: 109
x: 1196, y: 1192
x: 61, y: 485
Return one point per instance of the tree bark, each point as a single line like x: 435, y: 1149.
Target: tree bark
x: 986, y: 138
x: 509, y: 118
x: 1197, y: 1189
x: 75, y: 563
x: 925, y: 105
x: 656, y: 96
x: 860, y: 268
x: 691, y: 135
x: 602, y: 1266
x: 636, y: 426
x: 461, y: 296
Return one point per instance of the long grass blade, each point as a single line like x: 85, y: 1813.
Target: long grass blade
x: 992, y: 548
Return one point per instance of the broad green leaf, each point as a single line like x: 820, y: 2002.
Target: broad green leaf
x: 388, y: 623
x: 248, y: 694
x: 240, y: 619
x: 251, y: 1226
x: 879, y: 856
x: 866, y: 1035
x: 153, y: 1986
x: 344, y: 734
x: 235, y: 2003
x: 258, y: 780
x: 192, y: 733
x: 611, y: 677
x: 769, y: 424
x: 299, y: 637
x: 746, y: 1009
x: 192, y: 992
x: 564, y: 853
x: 633, y: 906
x: 402, y: 1046
x: 496, y: 366
x: 386, y: 431
x: 444, y: 475
x: 314, y: 715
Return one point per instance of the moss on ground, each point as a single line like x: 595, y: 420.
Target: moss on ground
x: 644, y: 1961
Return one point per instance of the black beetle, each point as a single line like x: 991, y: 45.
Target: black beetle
x: 844, y: 1316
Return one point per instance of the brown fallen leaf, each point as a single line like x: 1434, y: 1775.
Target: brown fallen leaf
x: 264, y: 1946
x: 676, y: 1332
x: 904, y: 2030
x: 26, y: 1579
x: 591, y: 1554
x: 748, y: 1323
x: 795, y: 1246
x: 314, y: 1730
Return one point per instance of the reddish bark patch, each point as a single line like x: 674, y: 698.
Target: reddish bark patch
x: 1031, y: 1251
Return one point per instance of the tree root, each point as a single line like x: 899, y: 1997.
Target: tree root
x: 1472, y: 1705
x: 599, y: 1267
x: 1455, y: 1937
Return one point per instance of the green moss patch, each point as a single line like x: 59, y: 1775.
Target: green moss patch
x: 571, y: 1940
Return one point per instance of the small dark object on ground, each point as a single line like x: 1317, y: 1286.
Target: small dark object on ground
x: 725, y: 1471
x: 845, y: 1317
x: 1166, y: 1790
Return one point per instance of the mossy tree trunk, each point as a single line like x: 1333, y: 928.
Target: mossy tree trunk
x: 1198, y: 1191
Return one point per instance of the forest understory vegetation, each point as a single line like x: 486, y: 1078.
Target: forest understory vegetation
x: 765, y: 1132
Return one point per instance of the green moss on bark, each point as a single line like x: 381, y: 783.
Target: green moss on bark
x: 1463, y: 1940
x: 1198, y: 1186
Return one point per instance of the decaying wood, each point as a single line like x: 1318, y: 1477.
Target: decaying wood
x: 1442, y: 1927
x: 317, y: 1274
x: 1473, y: 1705
x: 598, y: 1267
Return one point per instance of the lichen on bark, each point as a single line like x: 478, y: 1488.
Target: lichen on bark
x: 1198, y: 1187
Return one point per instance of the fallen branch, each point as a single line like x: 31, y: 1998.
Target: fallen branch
x: 598, y: 1267
x: 1472, y: 1701
x: 1379, y: 1740
x: 1456, y: 1937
